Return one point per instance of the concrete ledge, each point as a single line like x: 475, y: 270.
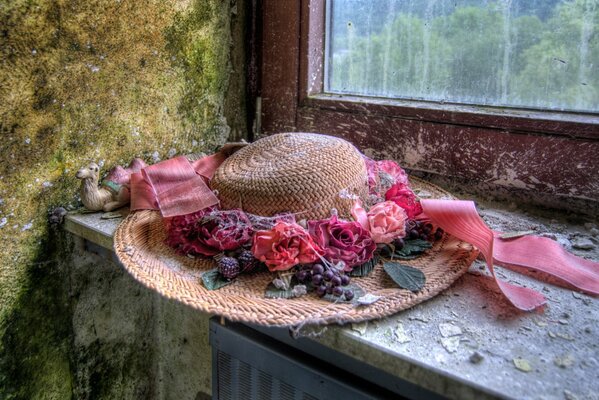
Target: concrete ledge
x: 466, y: 343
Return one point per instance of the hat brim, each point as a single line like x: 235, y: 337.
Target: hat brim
x: 140, y: 246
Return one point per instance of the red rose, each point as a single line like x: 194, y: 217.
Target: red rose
x: 283, y: 246
x: 343, y: 241
x: 209, y: 232
x: 402, y: 195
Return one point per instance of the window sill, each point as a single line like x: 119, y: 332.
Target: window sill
x: 409, y: 346
x: 569, y: 124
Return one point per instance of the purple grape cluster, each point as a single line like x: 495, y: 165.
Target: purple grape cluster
x: 420, y: 230
x: 325, y: 279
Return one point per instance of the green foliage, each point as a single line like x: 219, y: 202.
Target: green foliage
x: 539, y: 54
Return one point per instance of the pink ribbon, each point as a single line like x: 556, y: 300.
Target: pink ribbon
x: 460, y: 218
x: 176, y: 186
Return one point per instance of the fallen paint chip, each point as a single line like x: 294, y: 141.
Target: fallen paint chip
x: 451, y: 343
x: 522, y: 364
x: 565, y: 361
x: 360, y: 328
x: 448, y: 330
x: 400, y: 334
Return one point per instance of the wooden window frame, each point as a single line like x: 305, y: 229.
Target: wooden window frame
x: 554, y: 154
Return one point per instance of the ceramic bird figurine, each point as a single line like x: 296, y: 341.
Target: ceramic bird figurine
x: 114, y: 191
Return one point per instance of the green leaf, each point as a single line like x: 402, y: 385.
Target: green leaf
x: 358, y: 292
x: 366, y: 268
x: 413, y: 248
x: 213, y: 280
x: 272, y: 292
x: 405, y: 276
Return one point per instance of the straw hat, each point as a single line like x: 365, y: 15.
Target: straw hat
x: 304, y: 174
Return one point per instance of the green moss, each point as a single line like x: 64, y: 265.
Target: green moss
x: 80, y: 81
x: 34, y: 359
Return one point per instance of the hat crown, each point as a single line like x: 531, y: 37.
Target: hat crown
x: 303, y: 173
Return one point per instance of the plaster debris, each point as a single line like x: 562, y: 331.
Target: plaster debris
x: 522, y: 364
x: 47, y: 184
x: 27, y: 141
x: 368, y: 299
x: 476, y: 358
x: 451, y: 344
x: 3, y: 222
x: 360, y: 328
x: 400, y: 334
x: 583, y: 243
x: 155, y: 157
x: 564, y: 361
x: 568, y: 395
x: 448, y: 330
x: 564, y: 336
x: 419, y: 319
x: 27, y: 226
x: 171, y: 153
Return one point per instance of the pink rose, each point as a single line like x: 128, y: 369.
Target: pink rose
x: 387, y: 222
x: 383, y: 174
x: 394, y: 170
x: 402, y: 195
x: 283, y: 246
x: 342, y: 241
x: 209, y: 232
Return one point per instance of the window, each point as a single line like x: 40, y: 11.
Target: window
x: 504, y: 141
x: 515, y: 53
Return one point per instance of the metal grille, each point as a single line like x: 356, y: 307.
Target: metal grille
x: 248, y: 365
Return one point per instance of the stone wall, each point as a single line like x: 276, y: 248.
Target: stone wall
x: 104, y: 81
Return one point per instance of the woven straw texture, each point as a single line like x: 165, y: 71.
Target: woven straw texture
x: 292, y: 173
x: 139, y: 244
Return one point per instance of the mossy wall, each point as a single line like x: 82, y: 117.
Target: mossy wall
x: 104, y: 81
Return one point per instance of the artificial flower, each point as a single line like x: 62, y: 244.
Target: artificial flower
x: 387, y: 222
x: 345, y: 241
x: 283, y: 246
x: 402, y: 195
x: 208, y: 233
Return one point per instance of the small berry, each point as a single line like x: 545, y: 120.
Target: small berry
x: 247, y: 261
x: 228, y: 267
x: 317, y: 269
x: 399, y: 244
x: 345, y: 280
x: 439, y: 234
x: 349, y: 295
x: 328, y: 275
x: 336, y: 281
x: 301, y: 275
x: 413, y: 234
x: 329, y: 288
x: 316, y: 279
x: 424, y: 236
x: 337, y: 291
x: 321, y: 290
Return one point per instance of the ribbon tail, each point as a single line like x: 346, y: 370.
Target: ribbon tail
x: 459, y: 218
x: 545, y: 255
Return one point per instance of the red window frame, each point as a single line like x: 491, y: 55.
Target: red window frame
x: 548, y: 154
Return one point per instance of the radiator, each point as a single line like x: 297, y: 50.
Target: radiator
x: 252, y: 363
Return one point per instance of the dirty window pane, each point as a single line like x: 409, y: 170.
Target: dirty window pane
x: 541, y: 54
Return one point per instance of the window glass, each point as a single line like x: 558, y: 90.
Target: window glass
x: 541, y: 54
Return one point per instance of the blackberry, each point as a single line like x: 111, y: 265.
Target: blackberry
x: 228, y: 267
x: 247, y: 261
